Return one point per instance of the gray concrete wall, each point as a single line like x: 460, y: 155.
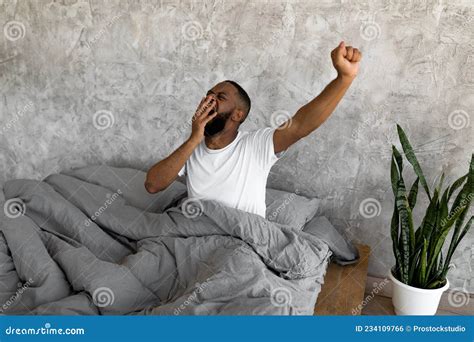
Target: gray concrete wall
x: 86, y: 82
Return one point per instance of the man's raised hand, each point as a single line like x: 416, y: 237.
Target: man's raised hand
x: 346, y: 60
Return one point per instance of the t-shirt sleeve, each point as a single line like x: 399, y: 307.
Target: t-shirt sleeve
x: 182, y: 172
x: 262, y: 145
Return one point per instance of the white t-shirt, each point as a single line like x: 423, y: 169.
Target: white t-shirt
x: 235, y: 175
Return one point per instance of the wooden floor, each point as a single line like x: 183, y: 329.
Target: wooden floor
x: 344, y: 287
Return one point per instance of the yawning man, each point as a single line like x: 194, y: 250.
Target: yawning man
x: 230, y: 166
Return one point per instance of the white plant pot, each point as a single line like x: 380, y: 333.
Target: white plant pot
x: 409, y: 300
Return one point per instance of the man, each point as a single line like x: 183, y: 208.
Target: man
x: 230, y: 166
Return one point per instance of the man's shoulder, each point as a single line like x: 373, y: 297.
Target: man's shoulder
x: 256, y: 134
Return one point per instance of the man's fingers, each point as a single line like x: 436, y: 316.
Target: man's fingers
x: 206, y: 103
x: 357, y: 56
x: 208, y: 110
x: 339, y: 52
x: 342, y: 49
x: 202, y: 101
x: 211, y: 105
x: 350, y: 53
x: 209, y: 117
x: 199, y: 108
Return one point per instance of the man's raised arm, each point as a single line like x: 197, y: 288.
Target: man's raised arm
x: 314, y: 113
x: 163, y: 173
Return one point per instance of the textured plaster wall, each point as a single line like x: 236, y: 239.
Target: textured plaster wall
x: 87, y: 82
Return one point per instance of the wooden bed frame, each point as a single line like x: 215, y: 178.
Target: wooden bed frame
x: 344, y: 287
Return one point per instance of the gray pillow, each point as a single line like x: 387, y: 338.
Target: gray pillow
x: 344, y: 252
x: 131, y: 183
x: 289, y: 208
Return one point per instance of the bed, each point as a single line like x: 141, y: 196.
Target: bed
x: 91, y: 241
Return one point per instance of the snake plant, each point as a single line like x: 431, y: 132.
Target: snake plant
x: 418, y: 253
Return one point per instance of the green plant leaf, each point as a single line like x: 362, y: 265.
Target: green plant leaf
x: 456, y: 185
x: 429, y: 221
x: 440, y: 184
x: 410, y: 155
x: 435, y: 229
x: 414, y: 263
x: 405, y: 234
x: 394, y: 233
x: 439, y: 242
x: 394, y: 173
x: 424, y: 256
x: 439, y: 269
x: 398, y: 158
x: 443, y: 211
x: 394, y: 227
x: 413, y: 194
x: 436, y: 284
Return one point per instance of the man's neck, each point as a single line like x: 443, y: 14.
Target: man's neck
x: 221, y: 140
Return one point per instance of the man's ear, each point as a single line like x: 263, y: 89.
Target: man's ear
x: 238, y: 115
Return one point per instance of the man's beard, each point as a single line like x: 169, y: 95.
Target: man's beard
x: 216, y: 125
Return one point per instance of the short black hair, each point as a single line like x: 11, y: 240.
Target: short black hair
x: 244, y: 97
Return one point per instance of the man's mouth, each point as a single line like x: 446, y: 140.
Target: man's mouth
x: 215, y: 126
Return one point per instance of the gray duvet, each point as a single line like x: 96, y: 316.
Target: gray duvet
x: 81, y: 248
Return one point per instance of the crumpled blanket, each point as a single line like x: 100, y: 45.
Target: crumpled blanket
x: 69, y: 246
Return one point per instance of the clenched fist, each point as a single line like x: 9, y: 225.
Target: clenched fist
x: 346, y: 60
